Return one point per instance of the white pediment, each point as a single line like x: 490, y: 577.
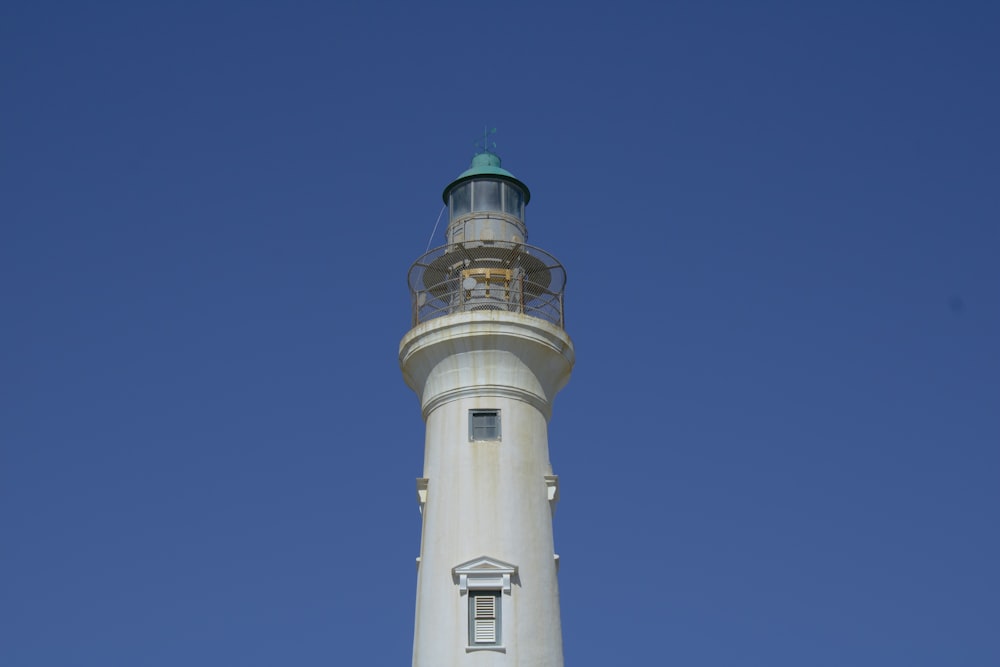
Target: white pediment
x: 484, y: 573
x: 485, y: 564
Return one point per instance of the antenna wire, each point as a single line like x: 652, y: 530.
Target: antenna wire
x: 436, y: 222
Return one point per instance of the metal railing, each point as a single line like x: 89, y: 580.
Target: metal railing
x: 487, y: 275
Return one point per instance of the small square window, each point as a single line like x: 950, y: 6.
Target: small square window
x: 484, y: 424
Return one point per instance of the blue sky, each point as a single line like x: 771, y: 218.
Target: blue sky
x: 781, y: 443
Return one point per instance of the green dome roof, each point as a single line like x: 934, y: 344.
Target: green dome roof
x: 486, y: 164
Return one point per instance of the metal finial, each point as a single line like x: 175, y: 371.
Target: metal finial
x: 484, y: 145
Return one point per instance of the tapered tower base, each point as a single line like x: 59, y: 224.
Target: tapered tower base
x: 487, y: 592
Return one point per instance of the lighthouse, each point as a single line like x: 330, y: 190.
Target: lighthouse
x: 486, y: 356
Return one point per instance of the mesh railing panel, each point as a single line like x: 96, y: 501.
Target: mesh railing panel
x: 487, y: 275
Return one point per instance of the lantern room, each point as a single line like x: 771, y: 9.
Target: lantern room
x: 486, y: 203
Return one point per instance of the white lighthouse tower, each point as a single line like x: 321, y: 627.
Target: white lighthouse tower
x: 486, y: 355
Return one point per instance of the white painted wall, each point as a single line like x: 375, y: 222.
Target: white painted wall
x: 487, y: 498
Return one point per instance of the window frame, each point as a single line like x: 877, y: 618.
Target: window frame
x: 474, y: 616
x: 477, y: 412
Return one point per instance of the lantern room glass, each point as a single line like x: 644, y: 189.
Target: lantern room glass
x: 486, y: 195
x: 461, y: 200
x: 512, y: 200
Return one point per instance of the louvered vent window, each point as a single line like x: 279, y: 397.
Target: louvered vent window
x: 484, y: 424
x: 484, y: 618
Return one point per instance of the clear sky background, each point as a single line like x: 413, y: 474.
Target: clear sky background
x: 781, y: 224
